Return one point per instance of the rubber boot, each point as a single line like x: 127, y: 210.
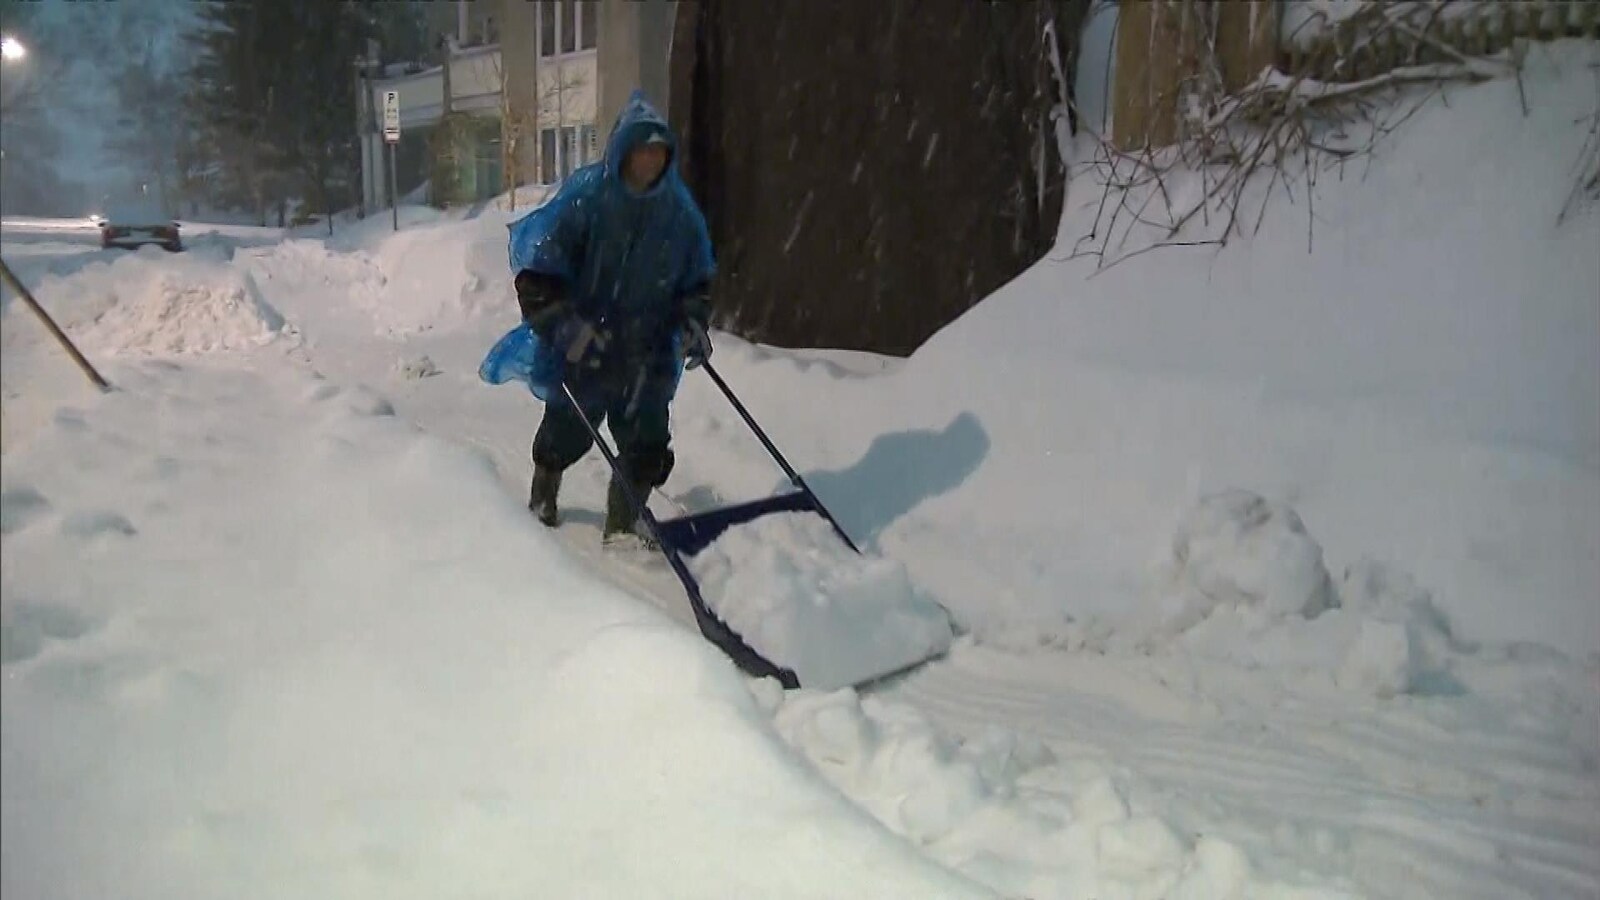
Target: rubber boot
x: 542, y: 495
x: 622, y: 524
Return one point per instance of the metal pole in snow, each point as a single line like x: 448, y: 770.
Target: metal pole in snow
x: 394, y: 190
x: 16, y: 285
x: 391, y: 136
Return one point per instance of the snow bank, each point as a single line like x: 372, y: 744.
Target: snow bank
x: 802, y: 599
x: 433, y: 273
x: 159, y: 303
x: 288, y: 645
x: 1419, y: 387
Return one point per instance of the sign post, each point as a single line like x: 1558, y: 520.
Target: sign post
x: 391, y: 136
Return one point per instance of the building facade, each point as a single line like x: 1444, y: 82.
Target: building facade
x: 510, y: 100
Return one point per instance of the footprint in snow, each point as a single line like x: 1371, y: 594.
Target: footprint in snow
x: 366, y: 402
x: 24, y: 632
x: 322, y: 392
x: 21, y: 507
x: 68, y: 418
x: 87, y: 524
x: 165, y: 468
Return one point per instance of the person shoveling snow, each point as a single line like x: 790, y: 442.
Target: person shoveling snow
x: 613, y: 278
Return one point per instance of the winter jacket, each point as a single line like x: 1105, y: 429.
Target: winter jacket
x: 632, y: 264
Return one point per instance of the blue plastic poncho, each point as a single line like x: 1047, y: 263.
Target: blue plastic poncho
x: 627, y: 259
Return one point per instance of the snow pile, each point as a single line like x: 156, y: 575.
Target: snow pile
x: 1246, y: 584
x: 1006, y: 809
x: 442, y: 274
x: 310, y: 267
x: 432, y: 274
x: 160, y: 303
x: 1236, y: 549
x: 802, y: 599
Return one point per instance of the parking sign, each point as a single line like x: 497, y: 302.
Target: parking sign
x: 391, y: 116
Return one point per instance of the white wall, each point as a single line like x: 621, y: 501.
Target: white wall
x: 474, y: 86
x: 475, y: 79
x: 567, y: 90
x: 421, y: 98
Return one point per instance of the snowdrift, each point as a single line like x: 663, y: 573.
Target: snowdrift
x: 1419, y: 389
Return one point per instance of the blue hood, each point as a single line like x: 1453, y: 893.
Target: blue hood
x: 635, y: 124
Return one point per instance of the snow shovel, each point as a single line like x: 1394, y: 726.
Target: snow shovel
x: 688, y: 535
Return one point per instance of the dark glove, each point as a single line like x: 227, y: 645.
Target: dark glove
x: 543, y: 299
x: 695, y: 342
x: 587, y: 349
x: 692, y: 335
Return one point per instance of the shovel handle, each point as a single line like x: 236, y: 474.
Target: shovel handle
x: 11, y: 280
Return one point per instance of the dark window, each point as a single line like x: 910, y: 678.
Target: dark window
x: 547, y: 29
x: 587, y: 137
x: 588, y: 22
x: 547, y: 156
x: 569, y: 149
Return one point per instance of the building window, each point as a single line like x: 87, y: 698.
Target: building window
x: 569, y: 148
x: 547, y: 156
x: 590, y: 141
x: 569, y: 34
x: 547, y: 29
x: 567, y: 26
x: 588, y: 23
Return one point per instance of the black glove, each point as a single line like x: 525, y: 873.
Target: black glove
x: 692, y: 335
x: 695, y: 342
x: 588, y: 347
x: 543, y: 299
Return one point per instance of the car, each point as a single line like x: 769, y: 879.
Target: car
x: 137, y: 224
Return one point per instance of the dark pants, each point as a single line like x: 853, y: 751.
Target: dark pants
x: 643, y: 438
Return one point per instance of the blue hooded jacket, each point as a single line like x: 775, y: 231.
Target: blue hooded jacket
x: 628, y: 260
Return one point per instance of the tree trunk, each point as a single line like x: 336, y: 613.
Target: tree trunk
x: 1247, y: 40
x: 1155, y: 49
x: 869, y: 170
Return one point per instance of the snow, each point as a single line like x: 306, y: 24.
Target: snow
x: 804, y: 600
x: 1377, y: 390
x: 1274, y: 570
x: 297, y: 646
x: 150, y: 301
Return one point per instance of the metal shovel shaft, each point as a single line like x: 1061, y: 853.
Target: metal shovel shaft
x: 60, y: 336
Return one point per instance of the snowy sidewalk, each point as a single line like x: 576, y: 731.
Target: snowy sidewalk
x: 263, y: 639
